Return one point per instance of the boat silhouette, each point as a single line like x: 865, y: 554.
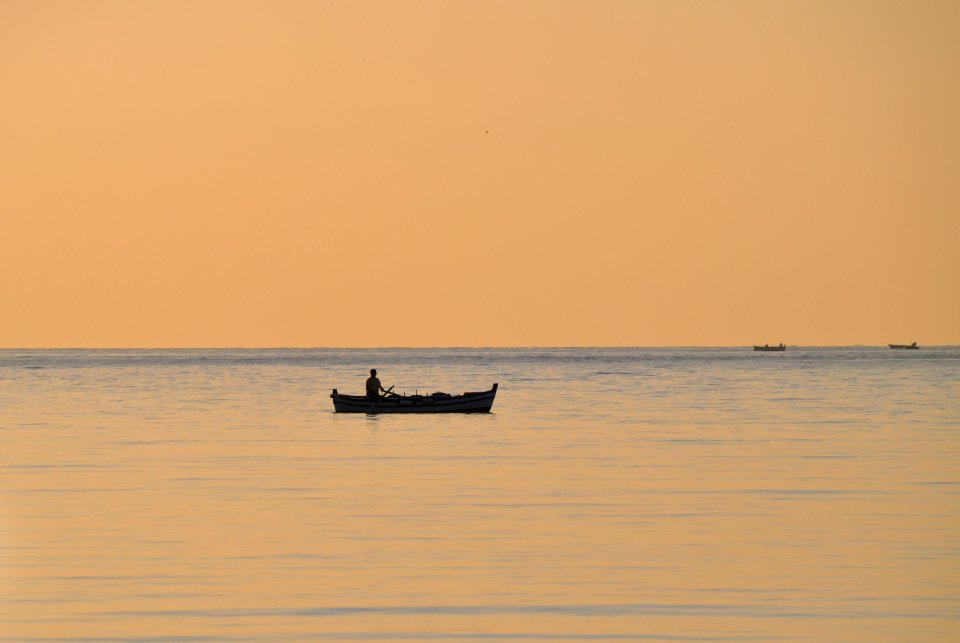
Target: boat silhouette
x: 471, y: 402
x: 767, y: 347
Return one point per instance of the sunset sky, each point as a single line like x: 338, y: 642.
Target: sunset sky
x: 479, y: 173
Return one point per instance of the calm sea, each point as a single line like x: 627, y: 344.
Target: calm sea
x: 613, y: 494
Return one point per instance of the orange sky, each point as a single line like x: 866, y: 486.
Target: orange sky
x: 479, y: 173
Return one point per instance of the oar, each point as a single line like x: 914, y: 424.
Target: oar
x: 387, y: 392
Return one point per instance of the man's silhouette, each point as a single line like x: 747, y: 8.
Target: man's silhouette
x: 373, y: 386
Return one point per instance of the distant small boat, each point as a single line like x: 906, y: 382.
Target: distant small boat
x: 478, y: 402
x: 767, y: 347
x: 908, y: 347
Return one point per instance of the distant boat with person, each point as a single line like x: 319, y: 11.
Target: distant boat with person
x: 767, y: 347
x: 908, y: 347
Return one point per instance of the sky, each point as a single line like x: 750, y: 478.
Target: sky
x: 486, y: 173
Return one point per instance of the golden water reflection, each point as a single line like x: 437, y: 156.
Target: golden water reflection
x: 664, y: 502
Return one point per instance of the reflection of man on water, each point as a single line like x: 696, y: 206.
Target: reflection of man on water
x: 373, y: 386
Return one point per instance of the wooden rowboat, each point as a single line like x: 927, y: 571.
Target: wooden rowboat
x: 767, y: 347
x: 480, y: 402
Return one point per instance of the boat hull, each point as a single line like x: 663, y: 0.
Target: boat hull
x: 467, y: 403
x: 777, y: 349
x: 906, y: 347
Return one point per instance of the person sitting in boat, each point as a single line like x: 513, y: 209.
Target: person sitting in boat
x: 373, y: 386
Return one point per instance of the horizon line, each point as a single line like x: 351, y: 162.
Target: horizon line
x: 451, y: 347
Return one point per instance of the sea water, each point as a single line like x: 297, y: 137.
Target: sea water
x: 613, y: 494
